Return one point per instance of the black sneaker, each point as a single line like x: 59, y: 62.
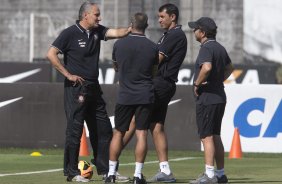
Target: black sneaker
x: 110, y: 179
x: 137, y: 180
x: 222, y: 179
x: 104, y: 176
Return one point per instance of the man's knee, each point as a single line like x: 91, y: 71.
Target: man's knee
x: 157, y: 128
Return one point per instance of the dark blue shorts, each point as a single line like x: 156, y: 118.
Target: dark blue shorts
x: 124, y: 114
x: 209, y: 119
x: 164, y: 91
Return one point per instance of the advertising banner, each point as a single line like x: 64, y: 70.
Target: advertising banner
x: 11, y: 72
x: 256, y: 110
x: 32, y: 115
x: 243, y: 74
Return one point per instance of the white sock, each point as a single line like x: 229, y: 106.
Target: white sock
x: 164, y: 167
x: 138, y: 169
x: 219, y: 172
x: 112, y: 167
x: 210, y: 171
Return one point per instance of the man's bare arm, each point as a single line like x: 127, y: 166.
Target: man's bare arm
x: 118, y: 33
x: 52, y: 56
x: 204, y: 73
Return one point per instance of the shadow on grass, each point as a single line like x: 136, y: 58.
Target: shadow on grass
x: 250, y: 180
x: 233, y: 180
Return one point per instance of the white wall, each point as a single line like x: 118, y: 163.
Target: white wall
x: 263, y: 28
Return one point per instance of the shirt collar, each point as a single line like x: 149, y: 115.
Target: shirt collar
x: 137, y: 34
x: 80, y: 27
x: 173, y: 28
x: 208, y: 40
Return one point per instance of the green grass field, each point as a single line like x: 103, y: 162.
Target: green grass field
x: 252, y: 168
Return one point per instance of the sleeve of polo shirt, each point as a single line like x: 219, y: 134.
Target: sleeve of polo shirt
x: 157, y: 56
x: 102, y: 32
x: 168, y: 43
x: 62, y: 42
x: 204, y: 56
x: 114, y: 53
x: 228, y: 61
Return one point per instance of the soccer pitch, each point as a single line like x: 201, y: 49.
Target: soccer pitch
x: 18, y: 167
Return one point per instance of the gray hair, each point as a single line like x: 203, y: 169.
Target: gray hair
x: 84, y: 8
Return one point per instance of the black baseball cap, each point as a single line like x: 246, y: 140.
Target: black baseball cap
x: 204, y: 23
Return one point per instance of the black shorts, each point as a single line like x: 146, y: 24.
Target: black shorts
x: 164, y: 91
x: 124, y: 114
x: 209, y: 119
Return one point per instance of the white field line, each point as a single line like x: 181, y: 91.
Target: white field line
x: 156, y: 161
x: 34, y: 172
x: 56, y: 170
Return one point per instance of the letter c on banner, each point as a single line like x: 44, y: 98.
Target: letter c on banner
x: 241, y: 117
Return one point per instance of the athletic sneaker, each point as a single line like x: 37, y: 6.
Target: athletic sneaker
x: 204, y: 179
x: 104, y: 177
x: 162, y: 177
x: 137, y: 180
x: 77, y: 178
x: 121, y: 179
x: 222, y: 179
x: 110, y: 179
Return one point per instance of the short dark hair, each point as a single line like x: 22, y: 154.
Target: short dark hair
x: 170, y: 9
x: 83, y: 8
x: 211, y: 34
x: 139, y: 21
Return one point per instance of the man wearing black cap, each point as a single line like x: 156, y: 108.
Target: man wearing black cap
x: 212, y: 67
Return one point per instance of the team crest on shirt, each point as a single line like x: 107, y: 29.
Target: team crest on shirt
x: 81, y: 98
x: 81, y: 43
x: 95, y: 37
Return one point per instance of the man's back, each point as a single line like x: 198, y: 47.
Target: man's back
x: 135, y: 55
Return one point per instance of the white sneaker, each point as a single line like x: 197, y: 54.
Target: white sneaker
x: 121, y: 179
x: 79, y: 178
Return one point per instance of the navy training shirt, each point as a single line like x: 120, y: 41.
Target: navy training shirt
x: 81, y: 50
x: 173, y: 45
x: 213, y: 52
x: 135, y: 55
